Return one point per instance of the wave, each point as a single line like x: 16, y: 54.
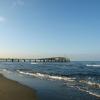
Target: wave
x: 90, y: 87
x: 46, y: 76
x: 91, y: 93
x: 91, y: 84
x: 59, y: 75
x: 92, y: 65
x: 34, y: 63
x: 83, y: 74
x: 83, y: 84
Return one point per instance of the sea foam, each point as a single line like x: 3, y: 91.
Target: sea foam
x: 46, y: 76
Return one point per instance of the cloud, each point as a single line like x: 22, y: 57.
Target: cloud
x: 18, y: 3
x: 2, y: 19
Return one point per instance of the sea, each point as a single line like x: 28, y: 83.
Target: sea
x: 56, y: 81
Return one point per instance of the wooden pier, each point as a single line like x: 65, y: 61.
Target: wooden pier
x: 52, y: 59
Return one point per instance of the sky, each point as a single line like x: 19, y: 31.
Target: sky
x: 45, y: 28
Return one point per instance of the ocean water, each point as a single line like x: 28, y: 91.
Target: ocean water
x: 55, y: 77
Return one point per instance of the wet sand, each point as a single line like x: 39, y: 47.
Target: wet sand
x: 11, y: 90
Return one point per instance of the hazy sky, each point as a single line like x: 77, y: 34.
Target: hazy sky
x: 31, y: 28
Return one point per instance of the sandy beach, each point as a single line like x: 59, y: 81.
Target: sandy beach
x: 11, y: 90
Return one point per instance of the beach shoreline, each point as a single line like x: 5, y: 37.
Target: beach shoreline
x: 12, y: 90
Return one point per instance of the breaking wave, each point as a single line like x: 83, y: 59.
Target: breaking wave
x: 46, y: 76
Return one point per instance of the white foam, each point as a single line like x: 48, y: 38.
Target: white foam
x: 94, y: 94
x: 34, y: 63
x: 97, y: 95
x: 46, y: 76
x: 93, y: 65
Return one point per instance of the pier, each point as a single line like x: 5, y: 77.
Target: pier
x: 51, y: 59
